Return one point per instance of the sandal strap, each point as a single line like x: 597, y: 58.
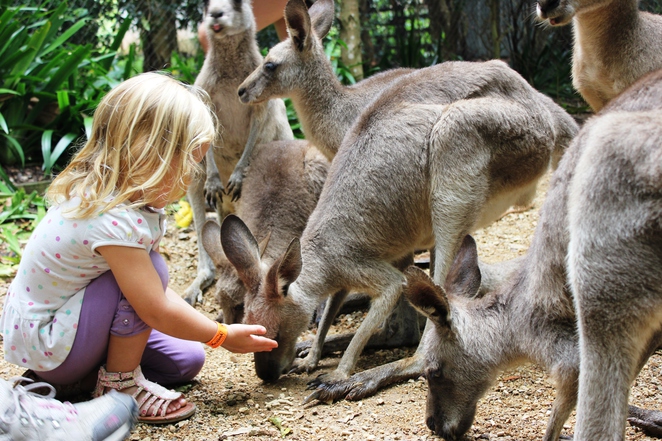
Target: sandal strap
x: 150, y: 393
x: 114, y: 380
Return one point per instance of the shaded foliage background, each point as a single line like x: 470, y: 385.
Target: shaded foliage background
x: 108, y: 41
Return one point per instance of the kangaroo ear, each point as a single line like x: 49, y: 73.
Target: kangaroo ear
x: 264, y: 243
x: 211, y: 241
x: 464, y: 276
x: 426, y: 296
x: 284, y: 271
x: 241, y: 250
x: 298, y: 23
x: 322, y: 13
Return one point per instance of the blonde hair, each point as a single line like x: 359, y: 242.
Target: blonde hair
x: 144, y: 130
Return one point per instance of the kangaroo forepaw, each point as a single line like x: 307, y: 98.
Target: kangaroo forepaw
x: 193, y: 293
x: 234, y: 186
x: 214, y: 192
x: 649, y: 421
x: 303, y: 348
x: 302, y: 365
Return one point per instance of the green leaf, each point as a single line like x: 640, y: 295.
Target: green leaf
x: 66, y: 35
x: 6, y: 185
x: 3, y: 124
x: 60, y: 147
x: 46, y: 142
x: 16, y: 147
x: 9, y: 91
x: 63, y: 100
x: 12, y: 241
x: 28, y: 54
x: 87, y: 121
x: 73, y: 61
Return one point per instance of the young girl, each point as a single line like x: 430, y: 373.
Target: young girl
x: 91, y: 287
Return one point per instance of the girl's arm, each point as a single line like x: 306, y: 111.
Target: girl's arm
x: 168, y: 312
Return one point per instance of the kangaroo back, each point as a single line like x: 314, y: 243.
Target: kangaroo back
x: 615, y: 254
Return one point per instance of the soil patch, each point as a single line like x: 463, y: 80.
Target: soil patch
x: 234, y: 404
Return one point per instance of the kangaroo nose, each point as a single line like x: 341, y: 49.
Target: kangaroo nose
x: 546, y: 6
x: 216, y: 14
x: 241, y: 92
x: 429, y: 421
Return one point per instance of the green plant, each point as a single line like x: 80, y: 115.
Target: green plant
x: 48, y: 86
x: 34, y: 63
x: 19, y: 215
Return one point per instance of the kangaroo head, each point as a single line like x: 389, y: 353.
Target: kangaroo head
x: 555, y: 12
x: 224, y: 18
x: 285, y: 67
x: 456, y: 376
x: 268, y: 300
x: 230, y: 289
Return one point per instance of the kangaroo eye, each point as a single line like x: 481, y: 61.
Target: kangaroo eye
x: 269, y: 67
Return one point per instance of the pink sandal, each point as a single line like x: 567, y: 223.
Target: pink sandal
x: 150, y: 394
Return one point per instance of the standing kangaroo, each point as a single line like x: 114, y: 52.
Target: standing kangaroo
x: 233, y: 54
x: 603, y: 212
x: 298, y: 68
x: 443, y: 152
x: 615, y: 44
x: 282, y: 186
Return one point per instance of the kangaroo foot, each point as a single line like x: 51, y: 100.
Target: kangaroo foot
x: 649, y: 421
x: 366, y: 383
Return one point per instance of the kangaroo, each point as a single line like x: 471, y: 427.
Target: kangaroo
x: 298, y: 68
x: 282, y: 185
x: 615, y: 44
x: 233, y: 53
x: 602, y: 212
x: 443, y: 152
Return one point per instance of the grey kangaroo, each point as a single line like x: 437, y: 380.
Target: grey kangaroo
x: 603, y: 216
x: 298, y: 68
x: 615, y: 44
x: 282, y: 186
x: 441, y: 153
x: 233, y: 54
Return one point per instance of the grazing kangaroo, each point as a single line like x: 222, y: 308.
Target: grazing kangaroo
x: 615, y: 44
x: 441, y: 153
x: 233, y: 54
x: 603, y: 213
x: 282, y: 186
x: 298, y: 68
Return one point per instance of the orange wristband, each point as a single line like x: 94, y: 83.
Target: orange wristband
x: 219, y: 338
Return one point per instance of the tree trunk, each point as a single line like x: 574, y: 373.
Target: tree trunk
x: 350, y: 33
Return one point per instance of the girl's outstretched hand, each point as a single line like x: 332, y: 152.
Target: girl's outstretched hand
x: 242, y: 339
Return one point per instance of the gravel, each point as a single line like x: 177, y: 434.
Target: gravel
x: 233, y: 404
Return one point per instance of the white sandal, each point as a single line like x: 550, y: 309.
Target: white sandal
x: 150, y: 393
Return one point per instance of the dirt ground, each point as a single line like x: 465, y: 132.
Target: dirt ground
x: 234, y: 404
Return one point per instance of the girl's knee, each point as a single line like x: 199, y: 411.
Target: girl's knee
x: 194, y: 364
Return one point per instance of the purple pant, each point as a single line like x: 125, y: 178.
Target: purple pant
x: 167, y: 360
